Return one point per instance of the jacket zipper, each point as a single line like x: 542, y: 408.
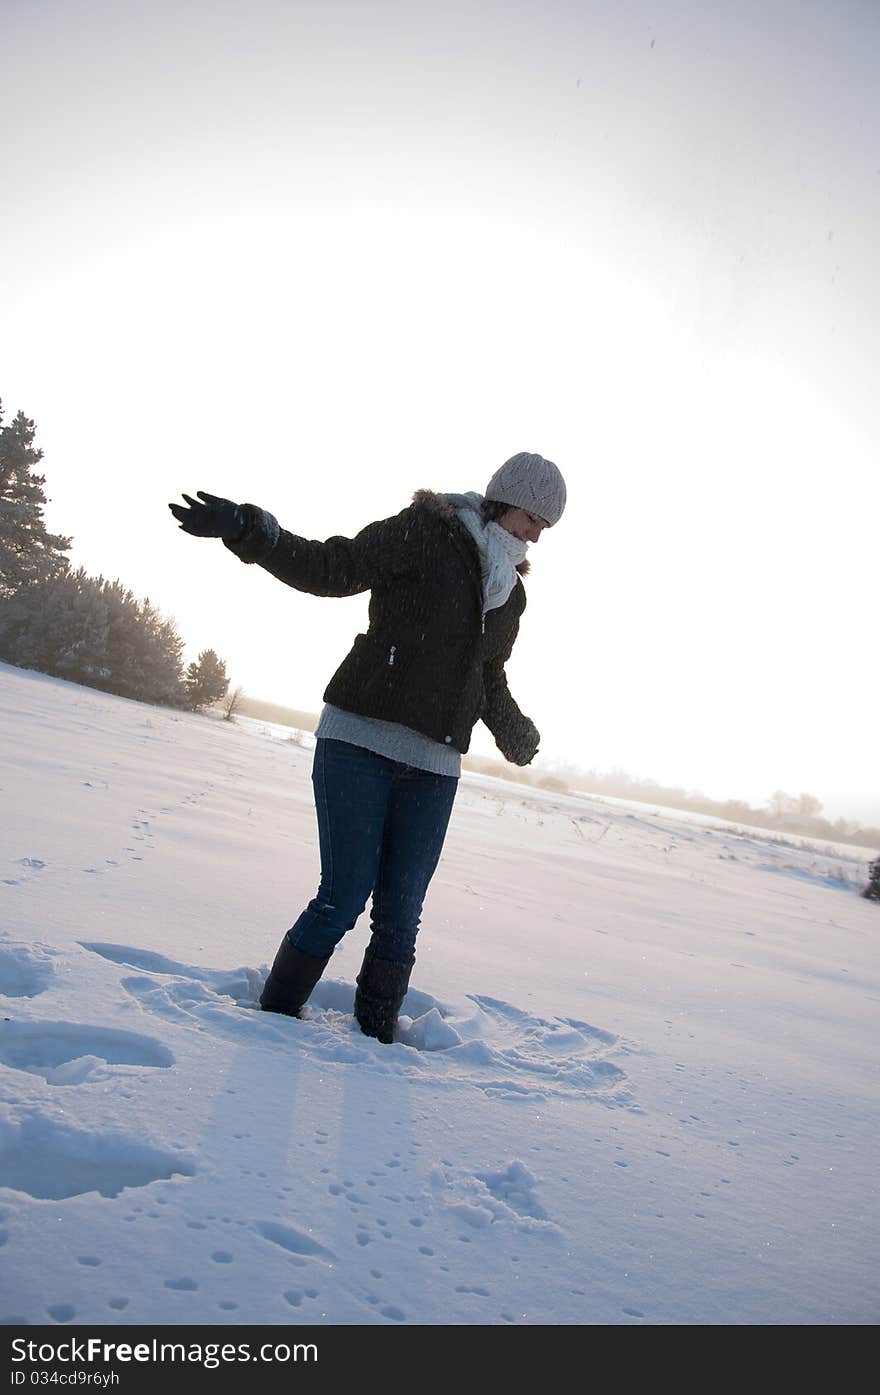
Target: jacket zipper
x: 391, y: 653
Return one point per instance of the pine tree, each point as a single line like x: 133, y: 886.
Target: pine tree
x: 59, y: 626
x: 206, y: 681
x: 95, y: 632
x: 28, y: 552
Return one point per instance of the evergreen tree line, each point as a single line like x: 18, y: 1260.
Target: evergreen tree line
x: 73, y: 625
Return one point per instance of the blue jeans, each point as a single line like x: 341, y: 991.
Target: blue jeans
x: 381, y: 827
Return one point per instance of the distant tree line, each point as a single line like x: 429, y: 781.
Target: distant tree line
x: 787, y: 813
x: 84, y: 628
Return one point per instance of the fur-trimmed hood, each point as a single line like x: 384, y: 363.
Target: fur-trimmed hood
x: 446, y: 506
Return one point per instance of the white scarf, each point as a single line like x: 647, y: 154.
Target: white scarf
x: 500, y: 552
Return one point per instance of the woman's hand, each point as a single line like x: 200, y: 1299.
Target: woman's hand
x: 212, y: 518
x: 524, y: 747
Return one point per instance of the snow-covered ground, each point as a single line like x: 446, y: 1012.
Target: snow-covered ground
x: 636, y: 1081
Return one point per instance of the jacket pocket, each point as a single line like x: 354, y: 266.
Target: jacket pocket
x: 382, y: 661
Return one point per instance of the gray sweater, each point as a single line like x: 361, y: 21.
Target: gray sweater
x: 389, y: 739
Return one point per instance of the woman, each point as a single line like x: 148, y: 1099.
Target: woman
x: 445, y: 602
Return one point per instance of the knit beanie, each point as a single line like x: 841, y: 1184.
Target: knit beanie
x: 529, y: 482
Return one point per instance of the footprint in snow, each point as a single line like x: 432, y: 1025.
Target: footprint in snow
x: 482, y: 1043
x: 49, y: 1161
x: 511, y: 1053
x: 147, y: 959
x: 62, y: 1312
x: 297, y: 1242
x: 68, y: 1053
x: 25, y: 970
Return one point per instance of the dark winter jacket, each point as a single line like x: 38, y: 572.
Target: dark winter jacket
x: 428, y: 660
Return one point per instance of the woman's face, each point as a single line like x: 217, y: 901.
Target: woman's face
x: 526, y: 526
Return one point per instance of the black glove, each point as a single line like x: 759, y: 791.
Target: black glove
x: 213, y: 518
x: 524, y: 747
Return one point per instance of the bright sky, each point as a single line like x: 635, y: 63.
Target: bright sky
x: 317, y: 255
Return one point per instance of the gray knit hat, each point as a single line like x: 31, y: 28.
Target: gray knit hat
x: 529, y: 482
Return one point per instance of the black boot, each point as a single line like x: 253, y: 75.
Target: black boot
x: 291, y: 979
x: 381, y: 989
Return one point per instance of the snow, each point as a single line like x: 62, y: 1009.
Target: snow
x: 635, y: 1082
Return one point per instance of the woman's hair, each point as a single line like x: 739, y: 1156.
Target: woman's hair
x: 491, y: 510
